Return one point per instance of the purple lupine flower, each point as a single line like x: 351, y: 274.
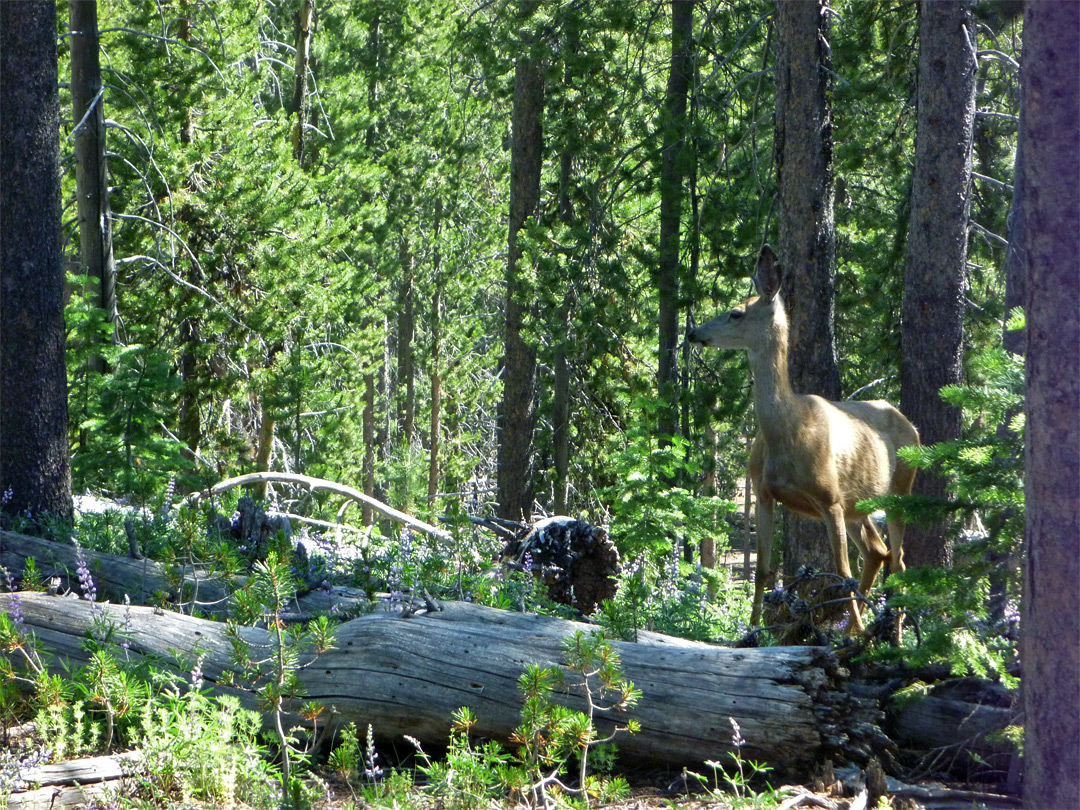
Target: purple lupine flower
x: 86, y: 581
x: 373, y: 770
x: 197, y: 674
x: 737, y: 738
x: 125, y: 628
x: 15, y: 610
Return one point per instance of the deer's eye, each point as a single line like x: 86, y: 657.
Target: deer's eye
x: 735, y: 314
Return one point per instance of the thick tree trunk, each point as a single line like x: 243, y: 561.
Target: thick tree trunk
x: 34, y: 464
x: 1051, y: 213
x: 807, y: 235
x: 91, y: 175
x: 932, y: 333
x: 671, y: 195
x: 407, y: 676
x: 517, y: 413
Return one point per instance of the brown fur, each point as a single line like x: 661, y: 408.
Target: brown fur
x: 816, y: 457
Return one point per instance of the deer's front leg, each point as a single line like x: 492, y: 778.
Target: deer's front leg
x: 834, y: 523
x: 764, y: 575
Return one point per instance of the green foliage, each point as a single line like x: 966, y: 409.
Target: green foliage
x: 266, y: 598
x: 204, y: 750
x: 469, y: 777
x: 968, y: 615
x: 651, y: 508
x: 677, y: 599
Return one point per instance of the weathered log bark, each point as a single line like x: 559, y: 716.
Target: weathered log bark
x: 144, y: 581
x: 77, y: 782
x: 149, y: 582
x: 406, y: 676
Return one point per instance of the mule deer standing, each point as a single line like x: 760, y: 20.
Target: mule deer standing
x: 817, y: 458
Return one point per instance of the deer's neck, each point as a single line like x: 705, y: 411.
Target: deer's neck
x: 774, y: 401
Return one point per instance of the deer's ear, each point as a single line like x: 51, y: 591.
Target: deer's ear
x: 769, y: 275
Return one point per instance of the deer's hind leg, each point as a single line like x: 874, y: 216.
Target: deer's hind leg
x: 872, y: 549
x: 902, y: 483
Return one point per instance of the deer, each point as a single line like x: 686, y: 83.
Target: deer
x: 815, y: 457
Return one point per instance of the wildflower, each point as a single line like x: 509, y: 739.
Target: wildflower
x: 86, y: 581
x: 372, y: 770
x: 15, y: 610
x: 197, y: 674
x: 737, y: 738
x: 167, y: 499
x: 125, y: 628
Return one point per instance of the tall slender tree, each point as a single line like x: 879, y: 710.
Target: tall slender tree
x: 933, y: 309
x: 517, y: 414
x: 35, y: 469
x: 1050, y: 127
x: 304, y: 20
x: 671, y: 197
x: 807, y: 236
x: 91, y: 173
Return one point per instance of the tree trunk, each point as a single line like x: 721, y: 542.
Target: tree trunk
x: 436, y: 370
x: 369, y: 444
x: 407, y: 676
x: 932, y: 333
x: 671, y: 194
x: 406, y: 328
x: 34, y: 464
x: 563, y: 340
x: 517, y: 414
x: 1050, y: 120
x: 91, y: 175
x: 303, y: 57
x: 807, y: 237
x: 264, y: 444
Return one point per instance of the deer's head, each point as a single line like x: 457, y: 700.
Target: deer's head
x: 748, y: 325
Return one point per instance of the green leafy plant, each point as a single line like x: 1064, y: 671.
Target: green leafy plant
x: 203, y: 749
x: 968, y: 615
x: 266, y: 599
x: 551, y: 734
x: 469, y: 776
x: 739, y: 776
x: 652, y: 504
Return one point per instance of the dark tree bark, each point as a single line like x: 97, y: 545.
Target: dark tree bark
x: 671, y: 195
x: 91, y: 174
x: 807, y: 237
x: 34, y: 463
x: 1050, y: 119
x: 933, y: 309
x: 517, y: 414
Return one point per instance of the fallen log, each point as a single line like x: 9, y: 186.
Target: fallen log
x: 71, y: 783
x: 407, y: 676
x: 144, y: 581
x: 147, y: 582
